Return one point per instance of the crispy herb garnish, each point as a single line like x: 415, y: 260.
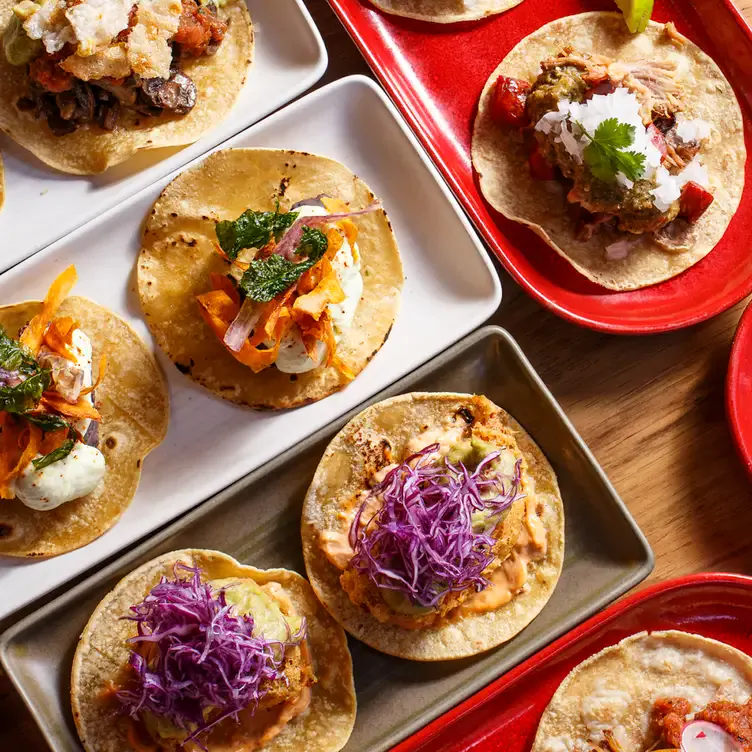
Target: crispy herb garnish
x: 604, y: 154
x: 46, y: 421
x: 15, y: 357
x: 56, y: 455
x: 252, y: 229
x: 271, y: 276
x: 26, y: 395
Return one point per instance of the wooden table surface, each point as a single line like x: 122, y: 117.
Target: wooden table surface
x: 650, y: 408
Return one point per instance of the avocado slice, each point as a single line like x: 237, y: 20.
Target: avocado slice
x: 470, y: 452
x: 19, y: 47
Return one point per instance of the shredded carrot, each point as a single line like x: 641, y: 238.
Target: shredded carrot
x: 315, y: 302
x: 34, y: 332
x: 53, y: 440
x: 270, y: 314
x: 100, y: 376
x: 29, y: 439
x: 343, y: 368
x: 334, y: 205
x: 82, y: 409
x: 222, y: 282
x: 219, y: 311
x: 59, y: 337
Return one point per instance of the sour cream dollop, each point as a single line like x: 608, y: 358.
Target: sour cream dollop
x: 292, y: 357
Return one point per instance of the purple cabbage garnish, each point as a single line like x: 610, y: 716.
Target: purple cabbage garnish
x: 421, y: 542
x: 201, y: 656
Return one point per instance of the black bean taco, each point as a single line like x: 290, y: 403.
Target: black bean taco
x: 82, y: 402
x: 270, y: 277
x: 664, y: 692
x: 624, y: 152
x: 85, y: 84
x: 194, y: 651
x: 434, y: 527
x: 445, y: 11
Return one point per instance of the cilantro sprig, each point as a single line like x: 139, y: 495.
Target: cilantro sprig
x: 605, y: 155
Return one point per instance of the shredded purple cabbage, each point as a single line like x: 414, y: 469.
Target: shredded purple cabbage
x: 203, y: 656
x: 421, y: 542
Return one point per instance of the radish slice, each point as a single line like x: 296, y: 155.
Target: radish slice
x: 702, y: 736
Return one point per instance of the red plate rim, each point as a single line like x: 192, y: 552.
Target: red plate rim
x: 552, y: 650
x: 485, y: 224
x: 739, y: 391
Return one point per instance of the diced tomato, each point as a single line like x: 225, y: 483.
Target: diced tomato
x: 49, y: 75
x: 694, y: 201
x: 508, y: 100
x: 601, y: 88
x: 540, y: 167
x: 198, y: 29
x: 658, y: 139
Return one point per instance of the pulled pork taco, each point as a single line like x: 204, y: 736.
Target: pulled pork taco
x: 270, y: 277
x: 85, y: 84
x: 434, y: 527
x: 445, y: 11
x: 625, y: 153
x: 82, y: 402
x: 194, y: 651
x: 660, y: 692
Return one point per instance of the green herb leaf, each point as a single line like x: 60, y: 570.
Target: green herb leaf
x: 46, y: 421
x: 252, y: 229
x: 15, y: 357
x: 604, y: 154
x: 55, y: 456
x: 25, y: 396
x: 269, y: 277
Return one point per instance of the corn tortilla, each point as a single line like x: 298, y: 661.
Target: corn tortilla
x: 444, y: 11
x: 177, y: 257
x: 134, y: 404
x: 90, y: 149
x: 102, y: 652
x: 500, y: 159
x: 634, y: 673
x: 341, y: 474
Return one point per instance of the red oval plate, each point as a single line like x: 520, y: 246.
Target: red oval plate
x: 436, y: 73
x: 739, y: 389
x: 505, y: 715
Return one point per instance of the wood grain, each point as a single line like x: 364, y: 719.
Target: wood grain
x: 650, y: 408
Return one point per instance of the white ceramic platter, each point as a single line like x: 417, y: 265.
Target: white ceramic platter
x: 42, y: 204
x: 450, y: 288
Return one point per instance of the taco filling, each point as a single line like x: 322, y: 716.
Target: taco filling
x: 215, y: 664
x: 49, y: 437
x: 292, y: 288
x: 617, y: 137
x: 445, y: 531
x: 89, y: 60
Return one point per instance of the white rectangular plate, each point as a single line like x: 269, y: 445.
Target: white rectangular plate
x: 450, y: 289
x: 42, y: 204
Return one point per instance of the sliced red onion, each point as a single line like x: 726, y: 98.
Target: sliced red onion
x: 291, y: 239
x: 237, y: 333
x: 9, y: 378
x: 703, y: 736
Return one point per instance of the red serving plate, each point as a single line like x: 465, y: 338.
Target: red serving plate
x: 504, y: 716
x: 739, y: 389
x: 435, y: 73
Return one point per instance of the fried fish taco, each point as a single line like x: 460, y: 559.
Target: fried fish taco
x: 82, y: 402
x: 85, y: 84
x: 661, y: 692
x: 434, y: 527
x: 445, y: 11
x: 270, y: 277
x: 625, y: 153
x: 194, y: 651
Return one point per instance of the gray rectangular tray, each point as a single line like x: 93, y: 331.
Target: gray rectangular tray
x: 257, y: 522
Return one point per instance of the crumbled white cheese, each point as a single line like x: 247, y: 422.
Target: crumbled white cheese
x: 149, y: 51
x: 96, y: 23
x: 109, y: 62
x: 48, y: 23
x: 604, y: 708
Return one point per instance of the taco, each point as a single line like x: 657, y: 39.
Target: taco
x: 625, y: 153
x: 270, y: 277
x: 85, y: 84
x: 664, y: 692
x: 82, y: 402
x: 445, y: 11
x: 194, y: 651
x: 434, y: 527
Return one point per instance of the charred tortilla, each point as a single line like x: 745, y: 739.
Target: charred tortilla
x: 500, y: 159
x: 102, y: 652
x: 445, y: 11
x: 134, y: 405
x: 616, y: 688
x: 89, y: 150
x: 342, y: 473
x: 178, y: 255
